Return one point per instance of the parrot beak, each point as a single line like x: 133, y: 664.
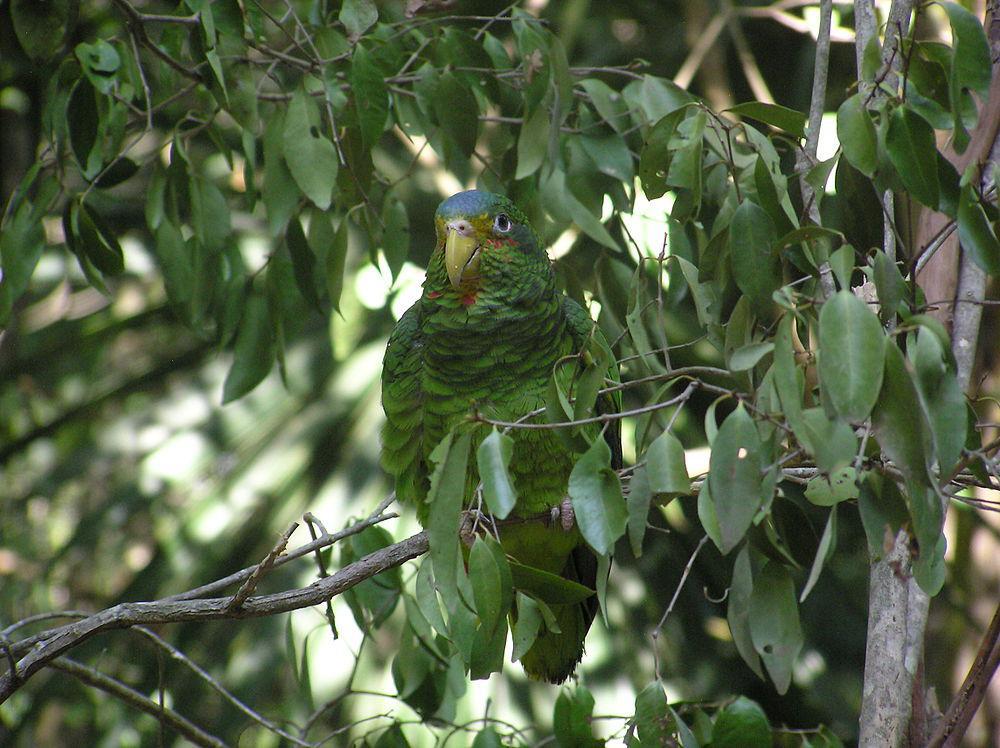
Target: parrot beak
x: 461, y: 253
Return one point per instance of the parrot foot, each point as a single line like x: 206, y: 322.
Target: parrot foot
x: 564, y: 515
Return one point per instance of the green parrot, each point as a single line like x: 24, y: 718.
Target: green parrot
x: 485, y: 336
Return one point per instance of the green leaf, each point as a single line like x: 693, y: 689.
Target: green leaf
x: 904, y: 435
x: 487, y: 586
x: 526, y: 627
x: 557, y: 191
x: 209, y: 214
x: 396, y: 234
x: 665, y: 466
x: 609, y: 103
x: 100, y: 62
x: 827, y: 543
x: 738, y: 610
x: 596, y: 494
x: 254, y: 353
x: 493, y: 459
x: 912, y: 150
x: 889, y: 283
x: 775, y: 115
x: 457, y: 112
x: 311, y: 158
x: 446, y: 498
x: 735, y: 477
x: 426, y: 596
x: 370, y: 97
x: 487, y: 738
x: 748, y: 356
x: 774, y: 623
x: 658, y: 97
x: 851, y: 345
x: 830, y: 491
x: 93, y: 241
x: 336, y: 259
x: 303, y: 261
x: 21, y: 243
x: 970, y: 64
x: 41, y: 27
x: 571, y: 719
x: 83, y: 120
x: 373, y: 600
x: 883, y: 512
x: 942, y: 398
x: 652, y: 716
x: 741, y: 724
x: 532, y: 142
x: 358, y: 16
x: 611, y: 155
x: 639, y: 498
x: 975, y: 233
x: 756, y: 267
x: 830, y: 441
x: 857, y: 136
x: 546, y: 587
x: 654, y: 160
x: 280, y: 191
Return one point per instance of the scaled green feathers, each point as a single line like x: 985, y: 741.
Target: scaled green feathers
x: 485, y: 336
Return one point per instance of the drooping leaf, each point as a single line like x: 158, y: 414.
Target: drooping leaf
x: 652, y: 716
x: 457, y: 112
x: 493, y: 459
x: 527, y: 626
x: 912, y: 150
x: 546, y: 587
x: 665, y: 466
x: 774, y: 622
x: 396, y: 234
x: 254, y: 353
x: 857, y: 136
x: 975, y: 234
x: 738, y: 610
x: 850, y: 356
x: 446, y: 496
x: 596, y: 494
x: 532, y: 142
x: 311, y: 157
x: 609, y: 103
x: 358, y: 16
x: 654, y: 161
x: 42, y: 27
x: 639, y: 498
x: 827, y: 543
x: 756, y: 267
x: 370, y: 97
x: 942, y: 398
x: 735, y: 476
x: 571, y: 719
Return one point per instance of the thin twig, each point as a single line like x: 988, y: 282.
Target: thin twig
x: 247, y: 588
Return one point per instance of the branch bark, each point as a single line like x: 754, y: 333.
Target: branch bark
x: 57, y: 642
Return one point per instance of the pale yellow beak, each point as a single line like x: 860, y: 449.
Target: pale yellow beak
x: 461, y: 257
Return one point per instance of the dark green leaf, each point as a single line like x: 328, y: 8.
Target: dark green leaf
x: 652, y: 716
x: 975, y: 233
x: 370, y: 97
x: 883, y: 512
x: 493, y: 459
x: 83, y: 120
x: 777, y: 116
x: 41, y: 27
x: 738, y: 610
x: 571, y: 719
x: 639, y: 498
x: 280, y: 191
x: 827, y: 543
x: 457, y: 112
x: 942, y: 398
x: 596, y: 494
x: 373, y: 600
x: 311, y: 158
x: 912, y: 150
x: 548, y: 588
x: 118, y: 171
x: 336, y: 258
x: 487, y: 586
x: 100, y: 62
x: 830, y: 441
x: 21, y: 243
x: 488, y: 738
x: 358, y: 16
x: 654, y: 161
x: 396, y: 234
x: 890, y: 285
x: 254, y: 353
x: 851, y: 345
x: 209, y: 214
x: 446, y: 497
x: 735, y: 476
x: 856, y: 133
x: 609, y: 103
x: 774, y: 623
x: 665, y: 466
x: 303, y: 261
x: 526, y: 627
x: 756, y: 267
x: 92, y: 240
x: 741, y: 724
x: 426, y: 596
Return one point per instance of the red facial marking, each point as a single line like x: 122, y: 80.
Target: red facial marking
x: 433, y: 294
x: 469, y: 299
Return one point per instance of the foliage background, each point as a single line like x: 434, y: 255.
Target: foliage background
x: 125, y: 477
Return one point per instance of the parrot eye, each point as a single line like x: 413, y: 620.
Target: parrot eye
x: 502, y: 223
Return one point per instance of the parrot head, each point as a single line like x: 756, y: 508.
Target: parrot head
x: 484, y: 242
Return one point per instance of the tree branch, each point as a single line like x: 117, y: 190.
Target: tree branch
x: 124, y: 615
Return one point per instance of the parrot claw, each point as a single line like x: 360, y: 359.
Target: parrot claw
x: 564, y: 515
